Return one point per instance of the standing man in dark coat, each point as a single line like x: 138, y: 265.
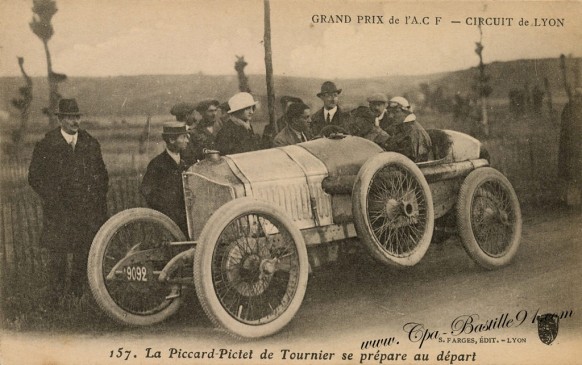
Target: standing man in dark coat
x: 68, y: 172
x: 237, y: 135
x: 297, y: 130
x: 162, y: 185
x: 330, y: 114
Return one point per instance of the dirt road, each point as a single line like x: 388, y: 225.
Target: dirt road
x: 431, y: 309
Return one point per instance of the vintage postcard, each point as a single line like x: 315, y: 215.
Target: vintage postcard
x: 290, y: 182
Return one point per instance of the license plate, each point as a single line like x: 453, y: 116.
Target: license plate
x: 138, y: 273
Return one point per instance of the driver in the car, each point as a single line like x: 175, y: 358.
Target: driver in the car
x: 407, y: 136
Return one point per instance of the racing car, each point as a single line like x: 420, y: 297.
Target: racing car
x: 258, y: 222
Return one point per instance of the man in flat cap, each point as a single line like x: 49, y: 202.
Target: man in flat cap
x: 378, y: 103
x: 362, y: 124
x: 202, y: 136
x: 237, y: 135
x: 407, y: 136
x: 298, y: 118
x: 184, y: 112
x: 162, y: 183
x: 330, y: 114
x: 270, y: 132
x: 68, y: 173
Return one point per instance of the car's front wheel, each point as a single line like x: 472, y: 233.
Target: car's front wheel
x: 250, y: 268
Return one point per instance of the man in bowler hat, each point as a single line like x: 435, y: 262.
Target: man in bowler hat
x: 68, y: 173
x: 330, y: 114
x: 162, y: 185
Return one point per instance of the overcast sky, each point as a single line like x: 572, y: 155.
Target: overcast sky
x: 129, y: 37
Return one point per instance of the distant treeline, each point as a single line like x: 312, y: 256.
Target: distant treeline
x: 155, y: 94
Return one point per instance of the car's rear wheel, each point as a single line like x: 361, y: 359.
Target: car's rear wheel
x: 250, y: 268
x: 489, y: 218
x: 393, y: 209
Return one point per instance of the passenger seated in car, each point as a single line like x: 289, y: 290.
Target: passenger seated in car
x: 297, y: 130
x: 407, y: 136
x: 362, y: 124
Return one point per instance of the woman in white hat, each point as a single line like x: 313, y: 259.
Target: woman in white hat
x: 237, y: 135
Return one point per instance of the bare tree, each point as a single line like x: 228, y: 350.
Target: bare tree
x: 243, y: 81
x: 23, y: 105
x: 43, y: 12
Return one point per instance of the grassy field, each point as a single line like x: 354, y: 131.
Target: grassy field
x: 523, y: 148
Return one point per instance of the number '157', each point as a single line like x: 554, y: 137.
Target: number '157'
x: 120, y: 353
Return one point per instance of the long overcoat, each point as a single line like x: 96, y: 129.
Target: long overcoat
x: 163, y: 190
x: 72, y: 185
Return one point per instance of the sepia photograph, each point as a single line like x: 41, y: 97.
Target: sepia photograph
x: 290, y: 181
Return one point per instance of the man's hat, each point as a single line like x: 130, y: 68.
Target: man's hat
x: 182, y: 108
x: 205, y: 104
x: 400, y: 102
x: 68, y: 107
x: 174, y: 128
x: 328, y: 87
x: 377, y: 98
x: 241, y: 101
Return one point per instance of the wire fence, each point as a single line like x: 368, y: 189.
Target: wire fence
x: 21, y: 219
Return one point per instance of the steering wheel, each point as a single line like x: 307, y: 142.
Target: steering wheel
x: 332, y: 132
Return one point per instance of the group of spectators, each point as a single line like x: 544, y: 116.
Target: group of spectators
x: 68, y: 172
x: 228, y: 127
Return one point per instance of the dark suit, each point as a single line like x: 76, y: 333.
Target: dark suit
x: 269, y: 131
x: 73, y: 188
x: 340, y: 119
x: 163, y: 190
x: 234, y: 138
x: 200, y: 138
x: 386, y: 123
x: 287, y: 137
